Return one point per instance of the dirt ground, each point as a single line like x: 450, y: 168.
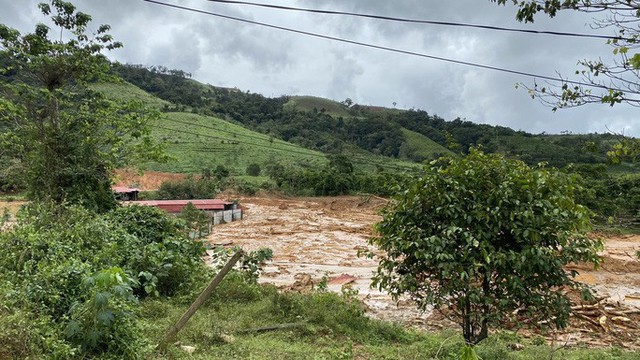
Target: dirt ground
x: 316, y: 237
x: 149, y: 180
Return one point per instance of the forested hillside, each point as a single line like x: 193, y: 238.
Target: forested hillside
x: 334, y: 128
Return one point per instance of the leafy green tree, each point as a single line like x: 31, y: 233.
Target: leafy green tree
x: 253, y: 170
x: 341, y: 164
x: 66, y: 137
x: 221, y: 172
x: 196, y: 221
x: 483, y: 236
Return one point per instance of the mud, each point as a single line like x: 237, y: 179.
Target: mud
x: 312, y: 238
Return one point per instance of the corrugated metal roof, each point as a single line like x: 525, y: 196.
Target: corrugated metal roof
x: 177, y: 205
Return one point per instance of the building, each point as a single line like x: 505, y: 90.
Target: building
x: 125, y: 193
x: 219, y: 211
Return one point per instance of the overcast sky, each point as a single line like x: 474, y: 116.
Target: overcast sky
x: 272, y: 62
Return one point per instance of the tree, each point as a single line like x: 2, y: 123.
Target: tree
x: 612, y: 83
x: 482, y: 236
x: 253, y: 170
x: 221, y: 172
x: 197, y: 221
x: 67, y: 137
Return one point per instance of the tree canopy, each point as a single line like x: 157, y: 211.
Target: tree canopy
x: 65, y: 137
x: 483, y: 236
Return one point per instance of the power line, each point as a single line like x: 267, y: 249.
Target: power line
x: 271, y: 148
x: 281, y: 142
x: 400, y: 51
x: 418, y: 21
x: 249, y: 136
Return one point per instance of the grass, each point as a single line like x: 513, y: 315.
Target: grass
x: 332, y: 326
x: 197, y: 142
x: 308, y: 103
x: 125, y: 91
x: 422, y: 146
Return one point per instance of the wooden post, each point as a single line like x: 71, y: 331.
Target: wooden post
x: 206, y: 293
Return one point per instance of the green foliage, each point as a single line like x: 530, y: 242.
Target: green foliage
x: 66, y: 137
x: 336, y: 179
x: 160, y: 253
x: 188, y: 189
x: 483, y: 236
x: 252, y: 263
x: 52, y: 263
x: 253, y: 170
x: 197, y: 222
x: 609, y: 84
x: 104, y: 322
x: 615, y: 199
x: 221, y: 172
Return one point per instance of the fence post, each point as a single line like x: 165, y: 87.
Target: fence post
x: 206, y: 293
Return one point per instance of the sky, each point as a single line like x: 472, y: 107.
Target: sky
x: 273, y: 62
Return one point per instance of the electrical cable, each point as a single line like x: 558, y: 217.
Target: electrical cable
x: 281, y: 142
x: 400, y: 51
x: 273, y: 149
x: 418, y: 21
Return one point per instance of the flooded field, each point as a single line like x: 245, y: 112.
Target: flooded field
x: 316, y: 237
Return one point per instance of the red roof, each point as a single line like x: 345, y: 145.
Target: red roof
x: 177, y: 205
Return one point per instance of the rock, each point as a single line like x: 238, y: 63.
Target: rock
x: 227, y: 338
x: 188, y: 349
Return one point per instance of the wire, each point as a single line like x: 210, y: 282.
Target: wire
x: 271, y: 148
x: 417, y: 21
x: 400, y: 51
x: 281, y: 142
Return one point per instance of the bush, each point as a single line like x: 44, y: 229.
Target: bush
x: 105, y: 321
x: 161, y: 255
x: 189, y: 188
x: 52, y: 267
x: 253, y: 170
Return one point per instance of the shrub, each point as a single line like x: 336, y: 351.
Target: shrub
x: 483, y: 236
x: 105, y: 320
x: 253, y: 170
x: 52, y: 266
x: 189, y: 188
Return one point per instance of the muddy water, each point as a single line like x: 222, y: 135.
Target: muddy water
x: 317, y: 237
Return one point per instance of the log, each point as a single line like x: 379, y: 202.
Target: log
x: 272, y: 327
x: 206, y: 293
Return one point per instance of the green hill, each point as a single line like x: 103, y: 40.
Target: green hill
x: 331, y: 127
x: 419, y: 147
x: 126, y: 91
x: 309, y: 103
x: 197, y: 142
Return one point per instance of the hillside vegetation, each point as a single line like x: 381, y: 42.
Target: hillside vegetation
x: 342, y: 127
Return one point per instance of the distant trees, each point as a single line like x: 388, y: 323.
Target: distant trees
x: 377, y: 131
x: 484, y: 236
x: 339, y: 177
